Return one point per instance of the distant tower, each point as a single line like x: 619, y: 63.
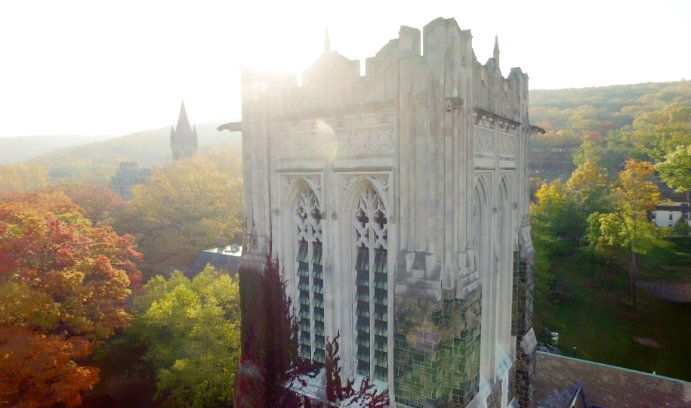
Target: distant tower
x: 183, y: 138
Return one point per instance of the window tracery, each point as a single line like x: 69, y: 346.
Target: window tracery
x: 310, y: 275
x: 371, y: 297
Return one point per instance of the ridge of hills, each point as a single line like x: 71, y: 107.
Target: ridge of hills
x: 16, y: 149
x: 97, y: 162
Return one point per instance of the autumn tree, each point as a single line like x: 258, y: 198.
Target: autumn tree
x: 100, y: 204
x: 628, y: 227
x: 192, y: 333
x: 182, y: 209
x: 588, y: 185
x: 22, y: 177
x: 39, y: 370
x: 63, y: 282
x: 269, y: 360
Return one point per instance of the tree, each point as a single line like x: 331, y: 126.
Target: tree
x: 587, y: 151
x: 98, y: 202
x: 588, y: 184
x: 63, y: 287
x: 38, y: 370
x: 192, y: 333
x: 555, y: 215
x: 269, y: 360
x: 676, y: 169
x: 629, y: 226
x: 22, y: 177
x: 182, y: 209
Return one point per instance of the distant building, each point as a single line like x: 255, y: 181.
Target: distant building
x: 183, y: 138
x: 128, y: 175
x: 225, y: 259
x: 668, y: 215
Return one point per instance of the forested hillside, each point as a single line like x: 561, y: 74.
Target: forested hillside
x: 96, y: 163
x: 610, y: 124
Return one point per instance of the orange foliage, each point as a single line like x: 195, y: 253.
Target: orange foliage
x: 85, y: 270
x: 98, y: 202
x: 37, y: 370
x: 63, y: 288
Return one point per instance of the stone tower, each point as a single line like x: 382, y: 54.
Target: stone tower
x: 397, y: 205
x: 183, y: 138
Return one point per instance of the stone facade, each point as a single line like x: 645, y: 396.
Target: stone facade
x: 397, y: 205
x: 183, y: 138
x: 128, y: 175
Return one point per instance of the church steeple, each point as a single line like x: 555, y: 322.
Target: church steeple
x: 183, y: 122
x: 183, y: 139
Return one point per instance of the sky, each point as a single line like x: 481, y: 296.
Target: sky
x: 95, y: 67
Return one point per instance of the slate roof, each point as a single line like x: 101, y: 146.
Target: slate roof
x: 607, y: 386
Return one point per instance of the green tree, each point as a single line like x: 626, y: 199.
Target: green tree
x: 676, y: 169
x: 587, y: 151
x: 554, y: 216
x: 628, y: 227
x: 182, y: 209
x: 192, y: 330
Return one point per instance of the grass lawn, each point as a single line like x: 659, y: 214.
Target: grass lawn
x: 591, y: 311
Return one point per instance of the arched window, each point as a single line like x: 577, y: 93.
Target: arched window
x: 371, y: 296
x: 309, y: 272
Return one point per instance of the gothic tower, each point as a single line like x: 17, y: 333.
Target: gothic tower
x: 183, y: 138
x: 396, y: 203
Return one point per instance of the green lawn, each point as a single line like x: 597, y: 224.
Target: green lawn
x: 591, y: 311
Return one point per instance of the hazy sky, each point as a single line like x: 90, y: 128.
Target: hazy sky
x: 114, y: 67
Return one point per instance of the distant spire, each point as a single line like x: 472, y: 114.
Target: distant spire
x: 183, y: 139
x: 327, y: 43
x: 183, y: 122
x: 496, y: 49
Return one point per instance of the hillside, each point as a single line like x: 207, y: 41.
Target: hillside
x: 96, y: 162
x: 622, y: 121
x: 19, y: 149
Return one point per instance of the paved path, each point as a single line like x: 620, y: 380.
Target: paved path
x: 675, y: 292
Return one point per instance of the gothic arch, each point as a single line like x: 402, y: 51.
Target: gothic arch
x: 364, y: 228
x: 302, y: 238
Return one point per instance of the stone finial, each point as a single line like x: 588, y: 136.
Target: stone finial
x: 327, y: 43
x: 495, y: 54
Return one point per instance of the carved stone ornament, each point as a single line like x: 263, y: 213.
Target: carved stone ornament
x: 321, y: 140
x: 313, y: 180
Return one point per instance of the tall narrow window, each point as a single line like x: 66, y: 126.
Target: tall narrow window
x: 310, y: 277
x: 371, y: 281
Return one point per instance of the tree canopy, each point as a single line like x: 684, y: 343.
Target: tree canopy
x: 192, y: 333
x: 63, y: 287
x: 183, y: 208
